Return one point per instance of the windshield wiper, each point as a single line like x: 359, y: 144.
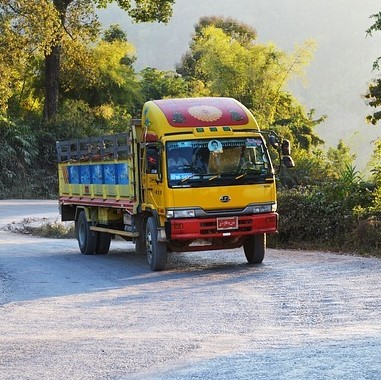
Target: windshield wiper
x: 202, y: 177
x: 241, y: 175
x: 189, y: 177
x: 213, y: 177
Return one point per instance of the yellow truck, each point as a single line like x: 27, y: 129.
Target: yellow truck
x: 192, y: 174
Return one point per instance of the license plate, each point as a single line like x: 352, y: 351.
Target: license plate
x: 230, y: 223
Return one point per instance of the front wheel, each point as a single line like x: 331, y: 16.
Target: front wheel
x: 87, y: 239
x: 141, y: 241
x: 156, y: 251
x: 255, y: 248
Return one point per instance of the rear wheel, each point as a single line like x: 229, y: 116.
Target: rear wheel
x: 103, y: 243
x: 87, y: 239
x: 156, y: 251
x: 255, y: 248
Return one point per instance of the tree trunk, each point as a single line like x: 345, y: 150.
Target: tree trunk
x: 53, y: 67
x: 52, y: 70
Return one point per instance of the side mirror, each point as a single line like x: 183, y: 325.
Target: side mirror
x: 286, y: 148
x: 288, y: 161
x: 273, y: 141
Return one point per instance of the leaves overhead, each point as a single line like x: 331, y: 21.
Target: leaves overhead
x: 224, y: 59
x: 373, y: 96
x: 144, y: 10
x: 55, y: 29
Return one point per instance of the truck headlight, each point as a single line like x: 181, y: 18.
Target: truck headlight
x: 268, y: 207
x: 180, y: 214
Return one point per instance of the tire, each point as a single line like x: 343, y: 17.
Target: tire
x: 87, y: 239
x: 140, y: 241
x: 140, y: 245
x: 156, y: 251
x: 103, y: 243
x: 255, y: 248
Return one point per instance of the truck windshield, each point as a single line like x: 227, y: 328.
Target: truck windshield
x: 214, y: 162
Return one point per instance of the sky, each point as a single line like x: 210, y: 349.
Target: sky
x: 337, y: 77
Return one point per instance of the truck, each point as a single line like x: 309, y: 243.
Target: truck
x: 193, y: 174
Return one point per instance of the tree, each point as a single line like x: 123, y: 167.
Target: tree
x: 231, y: 65
x: 18, y: 149
x: 57, y: 26
x: 222, y: 62
x: 373, y: 95
x: 101, y: 93
x: 237, y: 30
x: 375, y: 162
x: 158, y: 84
x: 340, y: 158
x: 376, y: 26
x: 23, y: 34
x: 105, y: 76
x: 114, y: 33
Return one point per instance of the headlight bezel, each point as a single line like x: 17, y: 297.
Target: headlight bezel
x: 264, y: 208
x: 181, y: 214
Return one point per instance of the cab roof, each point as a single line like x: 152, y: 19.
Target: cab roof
x: 179, y: 113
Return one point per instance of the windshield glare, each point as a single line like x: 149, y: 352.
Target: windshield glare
x: 235, y: 158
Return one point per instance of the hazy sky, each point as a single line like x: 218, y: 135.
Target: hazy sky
x: 337, y: 76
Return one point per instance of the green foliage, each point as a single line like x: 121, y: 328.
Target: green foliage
x: 23, y: 34
x: 325, y: 216
x: 157, y: 84
x: 373, y: 96
x: 292, y: 122
x: 143, y: 10
x: 60, y: 31
x: 375, y: 27
x: 18, y: 150
x: 225, y: 60
x: 237, y: 30
x: 107, y: 78
x: 106, y: 86
x: 55, y: 230
x: 375, y: 162
x: 323, y: 202
x: 115, y: 33
x: 311, y: 168
x: 21, y: 154
x: 340, y: 159
x: 76, y: 119
x: 326, y: 204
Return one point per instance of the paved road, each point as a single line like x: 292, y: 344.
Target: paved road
x: 299, y: 315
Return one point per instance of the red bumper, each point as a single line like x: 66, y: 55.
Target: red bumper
x: 193, y: 228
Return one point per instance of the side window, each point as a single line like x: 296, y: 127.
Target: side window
x: 152, y: 160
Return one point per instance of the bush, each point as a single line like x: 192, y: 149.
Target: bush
x: 18, y: 151
x: 335, y: 216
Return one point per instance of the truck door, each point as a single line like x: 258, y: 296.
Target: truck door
x: 152, y: 187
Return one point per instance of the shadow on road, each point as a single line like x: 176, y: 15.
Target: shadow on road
x: 40, y: 268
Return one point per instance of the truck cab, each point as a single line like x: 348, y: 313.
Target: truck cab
x: 212, y: 185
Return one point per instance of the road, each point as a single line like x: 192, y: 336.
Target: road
x: 299, y: 315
